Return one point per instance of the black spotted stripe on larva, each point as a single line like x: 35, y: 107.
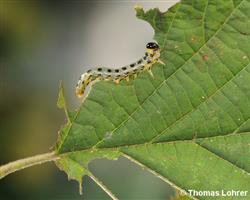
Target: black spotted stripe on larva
x: 152, y: 54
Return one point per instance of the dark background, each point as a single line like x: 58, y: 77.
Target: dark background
x: 40, y: 44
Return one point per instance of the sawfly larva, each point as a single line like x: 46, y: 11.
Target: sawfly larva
x: 152, y: 54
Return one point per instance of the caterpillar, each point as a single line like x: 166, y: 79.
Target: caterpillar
x: 152, y: 54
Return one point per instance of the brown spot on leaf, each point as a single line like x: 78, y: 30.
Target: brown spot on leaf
x: 205, y: 57
x: 243, y: 33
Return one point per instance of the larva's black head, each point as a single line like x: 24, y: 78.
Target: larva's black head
x: 152, y: 45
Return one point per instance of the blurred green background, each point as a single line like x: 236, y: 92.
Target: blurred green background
x: 42, y: 43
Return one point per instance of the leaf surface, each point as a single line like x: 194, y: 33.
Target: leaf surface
x: 190, y: 124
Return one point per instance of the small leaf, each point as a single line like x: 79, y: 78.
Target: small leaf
x: 61, y: 99
x: 61, y: 103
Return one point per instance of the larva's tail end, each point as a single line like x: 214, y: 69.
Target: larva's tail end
x: 82, y: 83
x: 79, y: 92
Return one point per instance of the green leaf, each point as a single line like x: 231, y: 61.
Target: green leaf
x: 190, y: 124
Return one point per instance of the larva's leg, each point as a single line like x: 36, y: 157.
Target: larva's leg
x: 127, y: 78
x: 117, y: 81
x: 99, y: 77
x: 133, y: 76
x: 161, y: 62
x: 150, y: 73
x: 108, y: 78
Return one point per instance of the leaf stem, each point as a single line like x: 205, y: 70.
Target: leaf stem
x: 98, y: 182
x: 26, y: 162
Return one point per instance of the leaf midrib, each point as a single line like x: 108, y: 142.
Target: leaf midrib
x: 193, y: 141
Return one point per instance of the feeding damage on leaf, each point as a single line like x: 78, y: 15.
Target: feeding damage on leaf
x: 75, y: 164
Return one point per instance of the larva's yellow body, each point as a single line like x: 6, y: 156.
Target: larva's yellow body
x: 152, y: 54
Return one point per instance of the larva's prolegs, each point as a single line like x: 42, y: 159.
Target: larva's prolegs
x: 117, y: 81
x: 161, y: 62
x: 152, y: 54
x: 150, y: 73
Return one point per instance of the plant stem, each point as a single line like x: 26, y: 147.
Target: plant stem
x: 26, y: 162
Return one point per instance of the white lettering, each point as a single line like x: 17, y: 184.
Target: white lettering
x: 215, y: 193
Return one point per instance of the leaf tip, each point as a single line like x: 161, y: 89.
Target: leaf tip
x: 137, y: 6
x: 61, y: 99
x: 61, y: 102
x: 139, y: 10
